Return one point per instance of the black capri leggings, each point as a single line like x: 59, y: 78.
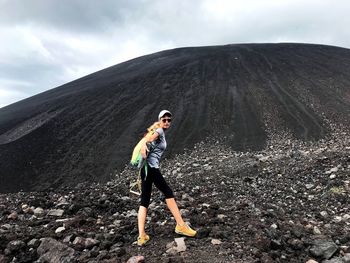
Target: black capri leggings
x: 153, y: 176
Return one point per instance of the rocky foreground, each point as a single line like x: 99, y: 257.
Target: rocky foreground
x: 288, y: 203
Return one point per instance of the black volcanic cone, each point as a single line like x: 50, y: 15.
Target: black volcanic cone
x: 86, y: 129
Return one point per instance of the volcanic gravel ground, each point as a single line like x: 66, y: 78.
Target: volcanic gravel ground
x: 287, y: 203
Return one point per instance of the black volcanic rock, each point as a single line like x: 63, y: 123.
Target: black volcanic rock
x: 85, y: 130
x: 290, y: 210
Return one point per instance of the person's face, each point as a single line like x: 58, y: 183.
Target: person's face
x: 165, y: 121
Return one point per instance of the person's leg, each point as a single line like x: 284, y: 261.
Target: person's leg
x: 162, y: 185
x: 141, y: 217
x: 181, y: 228
x: 171, y: 203
x: 146, y: 191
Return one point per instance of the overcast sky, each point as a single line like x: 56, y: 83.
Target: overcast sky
x: 46, y: 43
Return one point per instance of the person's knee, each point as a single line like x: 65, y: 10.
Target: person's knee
x: 145, y: 204
x: 145, y: 201
x: 168, y: 194
x: 165, y: 189
x: 143, y: 208
x: 146, y: 193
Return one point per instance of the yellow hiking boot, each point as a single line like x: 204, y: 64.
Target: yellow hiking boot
x: 141, y: 241
x: 185, y: 230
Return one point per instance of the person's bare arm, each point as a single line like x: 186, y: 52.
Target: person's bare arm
x: 148, y: 138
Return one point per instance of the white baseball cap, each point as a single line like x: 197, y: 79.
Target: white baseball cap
x: 162, y: 113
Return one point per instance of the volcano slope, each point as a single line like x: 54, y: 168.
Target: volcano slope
x: 85, y: 130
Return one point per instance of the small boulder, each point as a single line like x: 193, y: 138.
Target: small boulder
x: 346, y: 258
x: 85, y: 243
x: 13, y: 216
x: 55, y: 212
x: 136, y: 259
x: 14, y: 246
x: 60, y: 229
x: 180, y: 242
x: 39, y: 212
x: 50, y: 250
x: 323, y: 249
x: 33, y: 243
x: 180, y: 246
x: 216, y: 241
x: 26, y: 209
x: 334, y: 260
x: 316, y: 230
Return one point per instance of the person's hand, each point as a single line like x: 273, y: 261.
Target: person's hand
x: 144, y: 151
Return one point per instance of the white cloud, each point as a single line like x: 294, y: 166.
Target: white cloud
x: 18, y: 43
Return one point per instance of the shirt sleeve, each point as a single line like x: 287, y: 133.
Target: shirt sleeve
x: 160, y: 132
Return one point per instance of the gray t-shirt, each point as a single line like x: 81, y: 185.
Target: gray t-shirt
x: 157, y: 148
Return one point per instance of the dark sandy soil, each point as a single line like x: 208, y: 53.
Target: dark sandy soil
x: 85, y: 130
x: 288, y: 202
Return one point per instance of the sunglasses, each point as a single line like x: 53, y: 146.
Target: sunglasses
x: 166, y: 120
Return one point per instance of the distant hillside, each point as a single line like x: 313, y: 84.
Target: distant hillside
x: 85, y: 130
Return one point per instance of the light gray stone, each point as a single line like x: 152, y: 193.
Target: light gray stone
x: 216, y: 241
x: 90, y: 242
x: 334, y: 170
x: 324, y: 214
x: 60, y: 229
x: 13, y: 216
x: 67, y: 239
x: 132, y: 213
x: 309, y: 186
x: 346, y: 258
x: 39, y: 212
x: 6, y: 227
x: 221, y: 216
x: 34, y: 243
x: 85, y: 243
x: 136, y: 259
x: 180, y: 242
x: 316, y: 230
x: 334, y: 260
x: 323, y: 249
x: 50, y: 250
x: 346, y: 217
x: 55, y: 212
x: 177, y: 246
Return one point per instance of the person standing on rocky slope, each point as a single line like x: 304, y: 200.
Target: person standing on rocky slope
x: 150, y: 174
